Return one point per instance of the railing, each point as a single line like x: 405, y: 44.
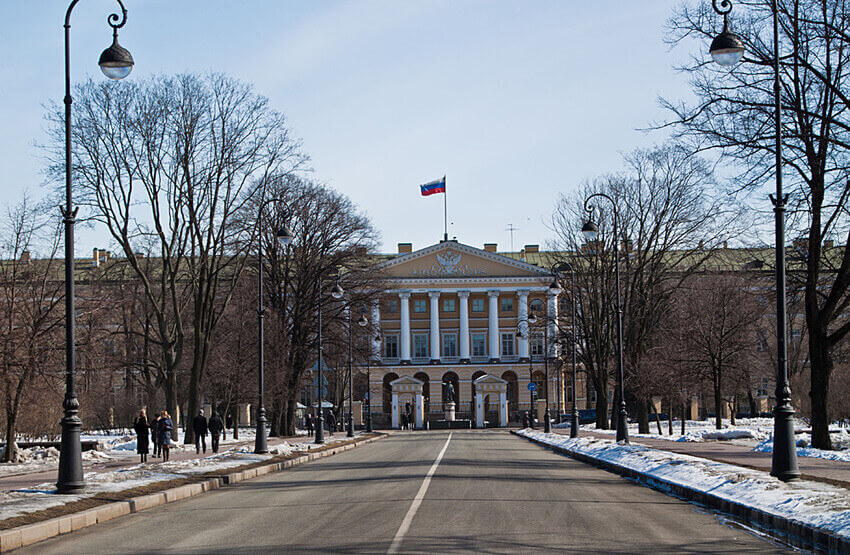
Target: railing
x: 420, y: 360
x: 479, y: 358
x: 450, y: 360
x: 509, y: 358
x: 389, y: 360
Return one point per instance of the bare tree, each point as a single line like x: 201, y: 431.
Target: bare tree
x: 30, y: 309
x: 168, y: 164
x: 734, y: 114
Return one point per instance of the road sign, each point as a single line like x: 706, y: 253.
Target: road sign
x: 324, y: 391
x: 316, y: 381
x: 531, y: 386
x: 315, y: 367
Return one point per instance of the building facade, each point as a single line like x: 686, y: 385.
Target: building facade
x: 452, y: 313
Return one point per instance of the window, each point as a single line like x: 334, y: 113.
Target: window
x: 391, y: 346
x: 391, y: 306
x: 508, y: 344
x: 420, y: 306
x: 507, y: 304
x: 536, y: 344
x: 592, y: 395
x: 448, y: 305
x: 536, y: 305
x: 569, y: 394
x: 449, y: 344
x: 479, y: 344
x: 477, y: 305
x: 420, y: 345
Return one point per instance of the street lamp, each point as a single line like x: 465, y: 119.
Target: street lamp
x: 369, y: 387
x: 284, y: 237
x: 554, y: 290
x: 116, y: 63
x: 574, y: 411
x: 336, y: 292
x: 591, y: 232
x: 727, y: 49
x: 362, y: 322
x: 532, y: 318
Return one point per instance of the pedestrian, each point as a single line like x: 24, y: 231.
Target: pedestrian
x: 308, y: 422
x: 164, y: 438
x: 404, y: 421
x: 199, y: 426
x: 215, y: 426
x: 331, y: 423
x: 142, y: 428
x: 525, y: 419
x: 408, y: 417
x: 155, y: 435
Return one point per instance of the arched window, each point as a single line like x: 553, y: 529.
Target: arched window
x: 512, y: 391
x: 539, y: 379
x: 388, y: 391
x: 426, y: 389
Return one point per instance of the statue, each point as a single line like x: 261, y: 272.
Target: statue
x: 450, y: 393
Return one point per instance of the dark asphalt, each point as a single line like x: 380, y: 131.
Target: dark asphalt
x: 492, y: 493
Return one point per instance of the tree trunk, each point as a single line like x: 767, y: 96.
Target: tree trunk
x: 734, y: 408
x: 194, y: 401
x: 657, y: 420
x: 752, y: 402
x: 718, y: 401
x: 643, y: 417
x: 11, y: 446
x: 171, y: 400
x: 236, y: 423
x: 615, y: 409
x: 684, y: 414
x: 275, y: 418
x: 601, y: 408
x: 670, y: 420
x: 821, y: 369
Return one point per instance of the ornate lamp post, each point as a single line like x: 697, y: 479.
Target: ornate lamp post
x: 337, y: 292
x: 591, y: 232
x: 116, y: 63
x: 727, y: 49
x: 284, y: 236
x: 574, y: 411
x: 532, y: 318
x: 554, y: 290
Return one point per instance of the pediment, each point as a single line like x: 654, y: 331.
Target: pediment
x: 406, y: 380
x: 488, y: 378
x: 451, y: 259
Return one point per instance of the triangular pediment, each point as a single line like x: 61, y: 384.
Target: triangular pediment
x: 406, y: 380
x: 488, y: 378
x: 451, y: 259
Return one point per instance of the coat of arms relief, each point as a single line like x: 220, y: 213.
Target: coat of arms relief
x: 448, y: 264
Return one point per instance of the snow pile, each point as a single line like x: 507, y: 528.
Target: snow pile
x: 813, y: 503
x: 724, y: 434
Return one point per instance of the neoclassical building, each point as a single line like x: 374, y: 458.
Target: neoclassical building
x: 452, y: 313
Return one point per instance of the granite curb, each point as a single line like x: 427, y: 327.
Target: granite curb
x: 32, y: 533
x: 793, y: 532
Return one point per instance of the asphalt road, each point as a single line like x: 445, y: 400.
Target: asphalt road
x: 491, y: 492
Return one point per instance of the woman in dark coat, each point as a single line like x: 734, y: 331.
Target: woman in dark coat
x: 142, y: 428
x: 164, y: 437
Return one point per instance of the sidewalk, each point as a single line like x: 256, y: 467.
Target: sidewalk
x: 30, y: 480
x: 820, y: 470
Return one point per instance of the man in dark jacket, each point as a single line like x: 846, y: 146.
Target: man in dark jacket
x: 199, y: 426
x: 215, y: 426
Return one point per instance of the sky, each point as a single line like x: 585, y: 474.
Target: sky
x: 514, y: 101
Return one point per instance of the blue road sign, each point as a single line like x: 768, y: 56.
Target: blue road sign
x: 531, y: 386
x: 316, y: 381
x: 324, y: 391
x: 315, y: 367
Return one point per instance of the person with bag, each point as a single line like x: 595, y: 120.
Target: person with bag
x: 200, y: 427
x: 164, y: 439
x: 155, y: 435
x: 215, y: 426
x: 142, y: 428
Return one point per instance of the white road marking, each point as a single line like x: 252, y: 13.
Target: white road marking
x: 420, y: 495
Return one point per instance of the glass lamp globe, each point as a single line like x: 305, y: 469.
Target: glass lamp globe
x: 590, y: 231
x: 555, y: 288
x: 532, y: 318
x: 284, y: 236
x: 362, y: 321
x: 727, y: 49
x: 116, y: 62
x: 337, y: 292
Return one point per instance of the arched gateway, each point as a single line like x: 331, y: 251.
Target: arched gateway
x: 407, y: 390
x: 490, y: 386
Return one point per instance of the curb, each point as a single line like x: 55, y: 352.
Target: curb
x: 795, y: 533
x: 32, y: 533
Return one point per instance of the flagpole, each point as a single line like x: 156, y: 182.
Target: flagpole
x: 445, y: 212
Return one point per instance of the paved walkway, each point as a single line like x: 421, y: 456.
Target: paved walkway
x: 30, y: 480
x: 820, y: 470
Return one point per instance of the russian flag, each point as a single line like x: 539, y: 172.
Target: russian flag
x: 438, y: 186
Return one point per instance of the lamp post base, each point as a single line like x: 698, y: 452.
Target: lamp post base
x: 261, y: 444
x: 547, y: 424
x: 574, y: 425
x: 350, y: 432
x: 320, y: 429
x: 784, y: 464
x: 622, y: 426
x: 70, y: 478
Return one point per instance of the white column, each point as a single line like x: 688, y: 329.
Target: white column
x: 493, y: 326
x: 404, y: 301
x: 522, y: 350
x: 435, y: 325
x: 463, y: 299
x: 503, y: 409
x: 551, y: 325
x: 375, y: 329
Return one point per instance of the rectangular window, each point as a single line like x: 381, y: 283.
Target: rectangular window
x: 391, y: 306
x: 479, y: 344
x: 420, y: 345
x: 448, y: 305
x: 592, y: 395
x: 507, y: 304
x: 477, y: 305
x: 569, y: 394
x: 420, y: 306
x: 536, y: 344
x: 391, y: 346
x: 449, y: 344
x: 508, y: 344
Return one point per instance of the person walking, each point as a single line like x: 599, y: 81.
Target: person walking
x: 215, y: 426
x: 155, y: 436
x: 164, y: 438
x: 199, y: 426
x: 142, y: 429
x: 331, y: 422
x: 525, y: 419
x: 308, y: 422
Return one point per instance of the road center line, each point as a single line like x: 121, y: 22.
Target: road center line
x: 420, y: 495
